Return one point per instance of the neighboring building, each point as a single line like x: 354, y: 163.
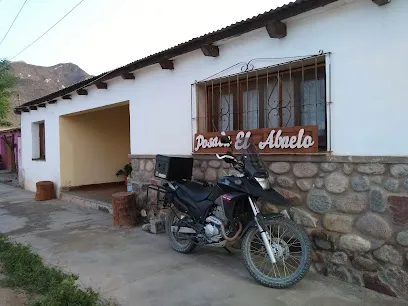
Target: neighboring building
x: 9, y: 140
x: 335, y: 70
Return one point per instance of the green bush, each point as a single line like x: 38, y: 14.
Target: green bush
x: 26, y: 270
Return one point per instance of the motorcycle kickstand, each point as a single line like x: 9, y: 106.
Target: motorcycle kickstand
x: 229, y: 252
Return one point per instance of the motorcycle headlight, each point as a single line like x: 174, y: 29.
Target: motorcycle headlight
x: 263, y: 182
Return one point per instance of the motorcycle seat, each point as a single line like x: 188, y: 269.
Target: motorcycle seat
x: 195, y: 191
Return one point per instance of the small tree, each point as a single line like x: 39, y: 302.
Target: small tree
x: 8, y: 84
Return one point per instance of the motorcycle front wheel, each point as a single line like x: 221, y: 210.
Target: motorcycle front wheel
x: 292, y: 250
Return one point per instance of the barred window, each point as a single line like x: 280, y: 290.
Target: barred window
x: 286, y: 95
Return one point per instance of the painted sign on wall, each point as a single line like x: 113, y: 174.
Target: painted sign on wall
x: 298, y: 139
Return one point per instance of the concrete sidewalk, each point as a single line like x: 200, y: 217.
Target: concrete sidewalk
x: 138, y: 268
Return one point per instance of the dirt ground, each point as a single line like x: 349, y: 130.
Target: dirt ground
x: 10, y: 297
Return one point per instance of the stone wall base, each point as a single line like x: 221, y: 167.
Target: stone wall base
x: 355, y: 211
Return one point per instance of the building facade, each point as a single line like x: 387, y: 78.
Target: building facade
x: 326, y: 76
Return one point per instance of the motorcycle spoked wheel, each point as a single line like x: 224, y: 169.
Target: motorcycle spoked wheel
x: 292, y: 250
x: 180, y: 245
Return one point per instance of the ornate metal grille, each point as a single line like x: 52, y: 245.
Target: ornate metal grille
x: 288, y: 94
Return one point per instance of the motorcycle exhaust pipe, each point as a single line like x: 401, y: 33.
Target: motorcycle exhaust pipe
x: 183, y: 229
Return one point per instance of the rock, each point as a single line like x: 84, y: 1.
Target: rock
x: 339, y: 258
x: 198, y: 174
x: 371, y: 168
x: 399, y: 209
x: 226, y: 165
x: 197, y: 163
x: 336, y: 182
x: 338, y: 223
x: 354, y: 243
x: 318, y: 182
x: 377, y: 203
x: 322, y: 240
x: 388, y: 253
x: 399, y: 170
x: 214, y: 163
x: 293, y: 197
x: 374, y: 282
x: 348, y: 168
x: 211, y: 175
x: 204, y: 165
x: 135, y: 164
x: 352, y: 203
x: 271, y: 180
x: 146, y: 227
x: 402, y: 238
x: 304, y: 184
x: 284, y: 181
x: 398, y: 279
x: 317, y: 256
x: 356, y: 278
x: 321, y: 268
x: 269, y: 208
x: 406, y: 184
x: 302, y: 217
x: 360, y: 183
x: 366, y: 262
x: 376, y: 179
x: 279, y: 167
x: 318, y: 201
x: 222, y: 172
x: 341, y: 273
x: 375, y: 226
x: 141, y: 164
x: 391, y: 184
x: 303, y: 170
x: 407, y: 256
x: 149, y: 166
x: 328, y: 167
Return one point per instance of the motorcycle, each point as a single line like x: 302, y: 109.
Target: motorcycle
x: 276, y: 251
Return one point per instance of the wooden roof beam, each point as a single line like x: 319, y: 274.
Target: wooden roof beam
x: 33, y: 107
x: 381, y: 2
x: 101, y: 85
x: 66, y: 97
x: 52, y: 101
x: 167, y: 64
x: 276, y: 29
x: 210, y: 50
x: 17, y: 111
x: 42, y: 105
x: 26, y: 109
x: 82, y: 92
x: 128, y: 76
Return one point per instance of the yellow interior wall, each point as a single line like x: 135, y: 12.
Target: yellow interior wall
x: 93, y: 146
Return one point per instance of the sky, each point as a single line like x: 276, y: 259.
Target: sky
x: 100, y: 35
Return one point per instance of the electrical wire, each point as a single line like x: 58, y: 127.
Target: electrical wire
x: 15, y: 18
x: 42, y: 35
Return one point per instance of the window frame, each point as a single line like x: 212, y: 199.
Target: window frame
x: 38, y: 141
x: 312, y: 71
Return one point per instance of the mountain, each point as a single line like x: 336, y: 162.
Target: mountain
x: 37, y: 81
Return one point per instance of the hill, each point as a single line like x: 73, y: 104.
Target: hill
x: 37, y: 81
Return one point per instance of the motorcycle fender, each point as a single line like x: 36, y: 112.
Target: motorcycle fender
x: 252, y: 223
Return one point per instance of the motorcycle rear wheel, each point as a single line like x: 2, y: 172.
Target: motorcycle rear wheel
x: 185, y: 246
x: 284, y: 251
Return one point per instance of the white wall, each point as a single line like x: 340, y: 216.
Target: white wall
x: 368, y: 86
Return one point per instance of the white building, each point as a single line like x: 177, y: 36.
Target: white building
x: 337, y: 69
x: 365, y: 93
